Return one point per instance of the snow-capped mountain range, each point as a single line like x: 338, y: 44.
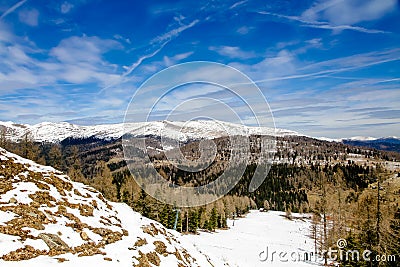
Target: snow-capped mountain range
x: 177, y: 130
x: 182, y: 131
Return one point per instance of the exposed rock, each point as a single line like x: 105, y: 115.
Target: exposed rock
x: 54, y: 242
x: 84, y: 236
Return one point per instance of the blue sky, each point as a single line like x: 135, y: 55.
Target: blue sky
x: 327, y: 68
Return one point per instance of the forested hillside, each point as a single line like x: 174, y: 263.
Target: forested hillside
x: 353, y: 192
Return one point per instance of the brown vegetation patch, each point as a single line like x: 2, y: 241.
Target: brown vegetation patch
x: 108, y: 235
x: 150, y: 229
x: 5, y: 186
x: 146, y: 259
x: 61, y: 260
x: 43, y: 197
x: 161, y: 248
x: 25, y: 253
x: 85, y: 210
x: 140, y: 242
x: 88, y: 249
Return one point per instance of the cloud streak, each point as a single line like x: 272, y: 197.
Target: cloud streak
x: 12, y: 9
x: 161, y: 41
x: 173, y: 33
x: 341, y: 12
x: 343, y: 64
x: 232, y: 52
x: 321, y: 24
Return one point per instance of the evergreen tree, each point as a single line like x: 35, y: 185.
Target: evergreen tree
x: 143, y: 204
x: 118, y: 180
x: 213, y: 223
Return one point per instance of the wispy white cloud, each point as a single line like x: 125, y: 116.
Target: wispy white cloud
x: 235, y: 5
x: 83, y: 49
x: 29, y: 17
x: 339, y: 65
x: 283, y: 64
x: 339, y: 28
x: 341, y: 12
x: 75, y: 60
x: 244, y: 30
x: 131, y: 68
x: 122, y: 38
x: 357, y: 61
x: 12, y: 9
x: 168, y: 61
x: 232, y: 52
x: 66, y: 7
x: 321, y: 24
x: 80, y: 60
x: 157, y: 44
x: 174, y: 32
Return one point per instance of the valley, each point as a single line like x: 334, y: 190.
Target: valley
x: 341, y: 189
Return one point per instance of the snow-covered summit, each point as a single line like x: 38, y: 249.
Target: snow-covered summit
x: 360, y: 138
x: 46, y: 218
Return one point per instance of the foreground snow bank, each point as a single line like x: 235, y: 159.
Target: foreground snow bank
x: 46, y: 219
x: 257, y: 240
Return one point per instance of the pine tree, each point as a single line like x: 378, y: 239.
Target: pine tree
x: 143, y: 204
x: 118, y: 180
x: 213, y: 223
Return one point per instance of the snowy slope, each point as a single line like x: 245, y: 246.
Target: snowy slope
x: 247, y: 241
x: 45, y: 218
x: 360, y: 138
x: 182, y: 131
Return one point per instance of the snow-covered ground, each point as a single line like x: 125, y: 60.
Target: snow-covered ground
x: 46, y: 219
x: 259, y: 239
x: 120, y: 253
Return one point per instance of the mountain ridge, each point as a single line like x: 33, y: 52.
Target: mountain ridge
x: 178, y: 130
x: 56, y: 132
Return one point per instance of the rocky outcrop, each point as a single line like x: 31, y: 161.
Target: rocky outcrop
x: 54, y: 242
